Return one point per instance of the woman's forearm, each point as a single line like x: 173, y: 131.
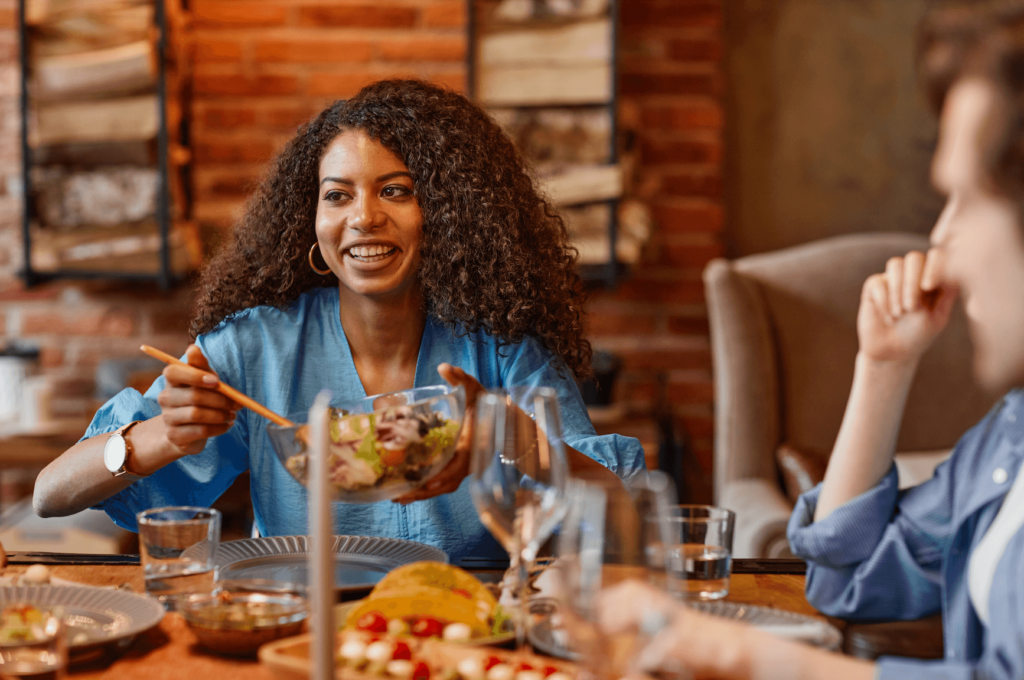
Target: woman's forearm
x: 867, y: 438
x: 767, y: 657
x: 78, y: 479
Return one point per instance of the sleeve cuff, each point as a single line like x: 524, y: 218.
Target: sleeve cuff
x: 850, y: 534
x: 622, y: 455
x: 899, y: 668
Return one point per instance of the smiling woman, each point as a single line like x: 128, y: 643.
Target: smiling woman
x: 397, y: 238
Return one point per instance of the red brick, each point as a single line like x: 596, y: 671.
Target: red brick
x: 358, y: 16
x: 234, y: 151
x: 424, y: 49
x: 15, y: 291
x: 314, y: 51
x: 663, y: 359
x: 698, y: 426
x: 209, y: 50
x: 110, y: 323
x: 660, y: 290
x: 8, y: 17
x: 688, y: 256
x: 668, y: 83
x: 231, y: 14
x: 224, y: 117
x: 170, y: 322
x: 449, y: 14
x: 700, y: 184
x: 688, y: 218
x: 51, y: 357
x: 683, y: 116
x: 688, y: 325
x: 671, y: 13
x: 695, y: 50
x: 702, y: 392
x: 231, y: 186
x: 340, y: 85
x: 605, y: 324
x: 455, y: 80
x: 659, y: 150
x: 289, y: 117
x: 239, y: 85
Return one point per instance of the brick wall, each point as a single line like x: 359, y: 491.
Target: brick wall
x: 263, y: 67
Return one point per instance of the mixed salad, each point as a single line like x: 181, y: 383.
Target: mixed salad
x: 373, y: 449
x: 23, y: 623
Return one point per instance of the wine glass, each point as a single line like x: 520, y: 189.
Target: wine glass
x: 611, y: 533
x: 518, y: 475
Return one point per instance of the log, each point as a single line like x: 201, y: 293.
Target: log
x: 583, y: 185
x: 92, y: 154
x: 105, y: 196
x: 556, y: 138
x: 100, y: 72
x: 43, y: 11
x: 595, y: 249
x: 538, y: 85
x: 587, y: 42
x: 125, y: 249
x: 112, y: 120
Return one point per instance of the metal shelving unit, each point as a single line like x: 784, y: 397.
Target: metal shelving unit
x: 606, y: 273
x: 164, y: 276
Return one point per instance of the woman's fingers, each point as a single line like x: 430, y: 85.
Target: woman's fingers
x: 913, y: 267
x: 876, y: 290
x: 176, y: 397
x: 894, y: 282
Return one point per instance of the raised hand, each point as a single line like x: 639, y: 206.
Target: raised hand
x: 449, y: 479
x: 903, y: 310
x: 192, y: 409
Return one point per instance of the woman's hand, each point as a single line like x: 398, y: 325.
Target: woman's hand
x: 903, y: 310
x: 192, y: 409
x: 449, y: 479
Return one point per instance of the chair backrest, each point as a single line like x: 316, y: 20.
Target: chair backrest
x: 784, y: 339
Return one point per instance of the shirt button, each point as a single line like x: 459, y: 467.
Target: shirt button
x: 999, y: 476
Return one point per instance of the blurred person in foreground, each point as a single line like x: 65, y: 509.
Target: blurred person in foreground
x: 954, y: 544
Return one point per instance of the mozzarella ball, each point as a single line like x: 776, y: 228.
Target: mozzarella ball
x: 456, y: 632
x: 400, y: 668
x: 37, y: 574
x: 501, y: 672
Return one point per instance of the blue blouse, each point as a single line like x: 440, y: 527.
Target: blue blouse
x: 890, y: 554
x: 282, y: 358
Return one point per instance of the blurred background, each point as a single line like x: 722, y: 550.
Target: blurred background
x: 670, y: 132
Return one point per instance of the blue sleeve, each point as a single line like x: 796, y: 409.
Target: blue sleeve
x: 197, y: 480
x: 879, y: 555
x: 530, y: 364
x: 898, y: 668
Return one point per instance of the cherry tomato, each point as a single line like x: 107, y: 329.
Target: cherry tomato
x: 464, y: 593
x: 492, y: 661
x: 402, y: 651
x: 421, y: 672
x: 373, y: 622
x: 524, y: 667
x: 549, y: 670
x: 392, y: 458
x: 428, y: 627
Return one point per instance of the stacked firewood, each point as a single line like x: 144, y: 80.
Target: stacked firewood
x: 94, y: 120
x: 545, y: 74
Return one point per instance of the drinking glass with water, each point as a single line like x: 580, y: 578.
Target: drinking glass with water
x: 699, y: 552
x: 33, y: 644
x: 178, y: 545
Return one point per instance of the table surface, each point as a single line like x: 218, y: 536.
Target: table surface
x: 170, y: 650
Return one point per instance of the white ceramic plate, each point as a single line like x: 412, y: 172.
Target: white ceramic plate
x: 360, y: 561
x: 94, y: 616
x: 799, y: 627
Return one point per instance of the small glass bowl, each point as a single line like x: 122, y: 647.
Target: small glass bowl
x: 238, y: 623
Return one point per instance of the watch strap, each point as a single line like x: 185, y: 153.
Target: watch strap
x: 129, y: 451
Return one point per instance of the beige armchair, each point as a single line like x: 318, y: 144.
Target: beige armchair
x: 783, y: 337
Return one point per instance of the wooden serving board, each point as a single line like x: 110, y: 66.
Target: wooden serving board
x: 288, y: 659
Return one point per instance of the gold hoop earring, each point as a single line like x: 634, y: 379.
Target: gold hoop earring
x: 321, y: 272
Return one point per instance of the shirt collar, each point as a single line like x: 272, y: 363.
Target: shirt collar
x: 1011, y: 416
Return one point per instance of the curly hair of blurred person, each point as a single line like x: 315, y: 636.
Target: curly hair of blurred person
x: 495, y: 254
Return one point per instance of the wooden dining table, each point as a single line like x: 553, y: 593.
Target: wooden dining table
x: 171, y: 651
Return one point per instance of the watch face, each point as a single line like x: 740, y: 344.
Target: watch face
x: 114, y: 453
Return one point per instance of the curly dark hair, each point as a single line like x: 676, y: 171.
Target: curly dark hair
x: 494, y: 254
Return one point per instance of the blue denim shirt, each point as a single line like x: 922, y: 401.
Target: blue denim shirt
x: 889, y: 554
x: 282, y: 358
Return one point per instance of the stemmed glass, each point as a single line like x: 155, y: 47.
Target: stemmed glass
x: 612, y: 532
x: 518, y: 475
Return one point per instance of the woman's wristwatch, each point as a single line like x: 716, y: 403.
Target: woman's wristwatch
x: 117, y: 452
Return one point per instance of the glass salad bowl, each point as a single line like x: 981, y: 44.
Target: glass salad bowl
x: 383, y: 446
